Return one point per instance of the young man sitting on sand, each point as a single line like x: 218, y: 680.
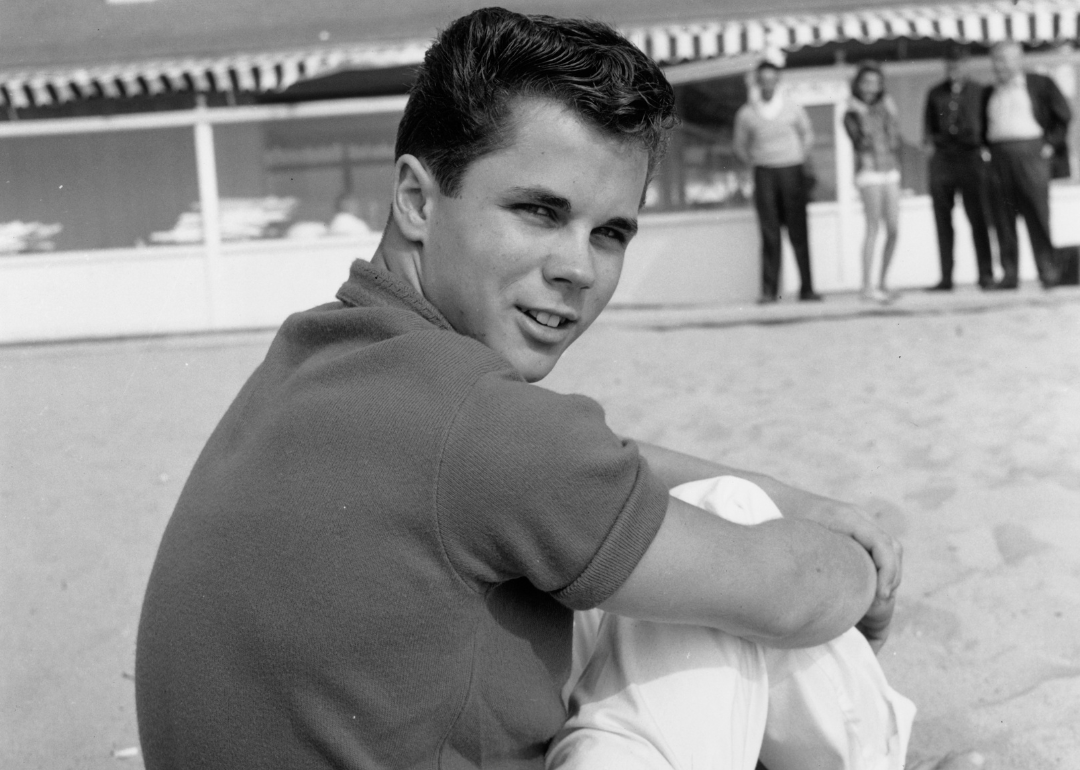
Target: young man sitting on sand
x: 377, y: 556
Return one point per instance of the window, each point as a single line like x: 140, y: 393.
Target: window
x: 93, y: 191
x: 306, y: 178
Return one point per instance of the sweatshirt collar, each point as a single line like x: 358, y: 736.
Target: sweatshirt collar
x: 370, y: 286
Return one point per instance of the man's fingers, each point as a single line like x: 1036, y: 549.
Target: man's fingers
x: 875, y: 636
x: 888, y: 554
x: 885, y: 550
x: 875, y: 624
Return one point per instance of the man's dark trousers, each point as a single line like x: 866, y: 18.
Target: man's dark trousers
x: 780, y: 198
x: 963, y: 171
x: 1021, y: 186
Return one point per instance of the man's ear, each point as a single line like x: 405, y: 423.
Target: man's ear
x: 413, y: 200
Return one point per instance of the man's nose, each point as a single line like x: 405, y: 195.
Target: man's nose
x: 570, y: 261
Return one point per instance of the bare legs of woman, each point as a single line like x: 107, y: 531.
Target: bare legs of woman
x: 881, y: 205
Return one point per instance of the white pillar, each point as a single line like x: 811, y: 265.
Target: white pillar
x: 847, y: 203
x: 206, y: 166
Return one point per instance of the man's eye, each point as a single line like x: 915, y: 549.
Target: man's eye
x: 610, y: 233
x: 535, y: 210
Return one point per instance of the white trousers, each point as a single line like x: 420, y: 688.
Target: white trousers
x: 654, y: 696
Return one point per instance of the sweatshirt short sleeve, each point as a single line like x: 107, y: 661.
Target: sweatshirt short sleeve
x: 534, y: 484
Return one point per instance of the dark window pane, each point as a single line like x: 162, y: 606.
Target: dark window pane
x: 94, y: 191
x: 306, y: 169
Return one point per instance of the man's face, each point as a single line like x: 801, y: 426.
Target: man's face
x: 956, y: 69
x: 1007, y: 62
x: 529, y: 251
x: 767, y: 80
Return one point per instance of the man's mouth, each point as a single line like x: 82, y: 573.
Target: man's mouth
x: 550, y: 320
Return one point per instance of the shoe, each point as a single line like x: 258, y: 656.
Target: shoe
x: 942, y: 286
x: 767, y: 299
x: 875, y: 295
x: 1050, y: 278
x: 1003, y: 285
x: 810, y: 296
x: 986, y: 282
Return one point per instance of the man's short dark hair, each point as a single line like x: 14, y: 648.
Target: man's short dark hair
x: 464, y: 91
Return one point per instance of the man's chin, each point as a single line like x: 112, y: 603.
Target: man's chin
x: 535, y: 374
x: 534, y: 367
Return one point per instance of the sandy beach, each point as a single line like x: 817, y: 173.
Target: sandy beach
x: 955, y: 421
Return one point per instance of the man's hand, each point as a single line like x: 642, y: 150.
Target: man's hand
x: 875, y: 624
x: 846, y: 519
x: 1047, y: 151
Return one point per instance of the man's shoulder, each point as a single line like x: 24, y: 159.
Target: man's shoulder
x: 366, y: 345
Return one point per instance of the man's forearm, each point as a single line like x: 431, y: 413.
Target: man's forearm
x: 675, y: 468
x: 783, y: 582
x: 740, y: 145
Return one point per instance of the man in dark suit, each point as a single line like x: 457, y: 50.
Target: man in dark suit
x: 953, y: 127
x: 1025, y: 121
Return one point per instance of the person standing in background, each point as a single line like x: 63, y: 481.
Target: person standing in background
x: 1025, y: 119
x: 773, y: 135
x: 953, y: 128
x: 871, y: 123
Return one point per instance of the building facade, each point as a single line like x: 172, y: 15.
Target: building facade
x: 196, y: 189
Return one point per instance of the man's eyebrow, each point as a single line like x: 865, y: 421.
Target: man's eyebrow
x: 542, y: 195
x: 627, y: 225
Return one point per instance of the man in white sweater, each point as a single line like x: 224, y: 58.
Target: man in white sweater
x: 773, y: 135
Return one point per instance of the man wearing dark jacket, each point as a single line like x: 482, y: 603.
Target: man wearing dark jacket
x: 1025, y: 122
x: 953, y: 127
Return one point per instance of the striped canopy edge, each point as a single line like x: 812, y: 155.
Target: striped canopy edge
x: 1026, y: 21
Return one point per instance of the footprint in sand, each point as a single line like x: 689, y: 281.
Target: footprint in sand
x: 1016, y: 543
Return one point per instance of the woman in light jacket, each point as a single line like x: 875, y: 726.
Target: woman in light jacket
x: 872, y: 124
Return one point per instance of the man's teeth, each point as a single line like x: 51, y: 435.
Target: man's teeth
x: 547, y: 319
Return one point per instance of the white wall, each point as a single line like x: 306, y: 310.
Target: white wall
x: 691, y: 258
x: 164, y: 290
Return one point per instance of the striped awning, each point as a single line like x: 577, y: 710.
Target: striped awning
x: 1028, y: 21
x: 263, y: 72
